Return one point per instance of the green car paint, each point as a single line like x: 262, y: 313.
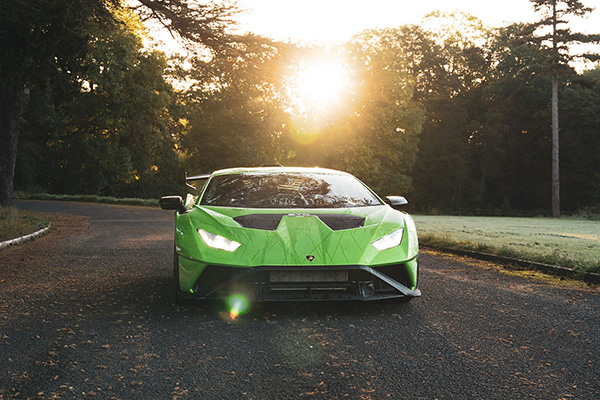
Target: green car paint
x: 301, y: 238
x: 299, y: 234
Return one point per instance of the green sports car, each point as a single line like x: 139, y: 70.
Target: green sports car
x: 281, y: 233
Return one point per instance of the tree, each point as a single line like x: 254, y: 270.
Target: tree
x: 556, y: 41
x: 234, y: 115
x: 580, y: 119
x: 508, y: 146
x: 106, y: 130
x: 450, y: 61
x: 377, y: 140
x: 38, y: 37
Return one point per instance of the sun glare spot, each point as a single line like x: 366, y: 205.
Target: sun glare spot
x: 321, y: 84
x: 318, y: 87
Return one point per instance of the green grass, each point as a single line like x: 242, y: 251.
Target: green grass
x: 567, y: 242
x: 15, y: 223
x: 90, y: 199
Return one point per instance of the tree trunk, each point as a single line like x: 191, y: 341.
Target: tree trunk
x: 555, y: 146
x: 11, y: 107
x: 555, y: 166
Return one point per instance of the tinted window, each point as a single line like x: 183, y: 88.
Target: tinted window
x: 287, y: 190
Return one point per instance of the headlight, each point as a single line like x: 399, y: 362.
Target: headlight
x: 388, y: 241
x: 217, y: 242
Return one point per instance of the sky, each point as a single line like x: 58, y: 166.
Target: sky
x: 327, y: 21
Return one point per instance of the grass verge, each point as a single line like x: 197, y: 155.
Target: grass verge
x: 566, y: 242
x: 90, y: 199
x: 15, y: 223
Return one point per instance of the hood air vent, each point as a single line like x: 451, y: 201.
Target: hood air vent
x: 266, y: 222
x: 338, y: 222
x: 270, y: 222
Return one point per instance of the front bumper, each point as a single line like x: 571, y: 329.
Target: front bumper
x: 306, y: 283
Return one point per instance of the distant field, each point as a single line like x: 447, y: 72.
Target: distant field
x: 571, y: 243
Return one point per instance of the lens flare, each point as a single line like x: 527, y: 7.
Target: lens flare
x: 237, y: 304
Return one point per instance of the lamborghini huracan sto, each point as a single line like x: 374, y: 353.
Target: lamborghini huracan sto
x: 281, y: 233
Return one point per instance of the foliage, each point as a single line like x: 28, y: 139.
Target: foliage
x: 240, y: 112
x: 387, y: 121
x: 376, y: 137
x: 512, y: 145
x: 580, y: 121
x: 106, y: 130
x: 457, y: 50
x: 554, y: 38
x: 40, y: 39
x: 555, y: 41
x: 202, y: 25
x: 233, y: 114
x: 452, y: 114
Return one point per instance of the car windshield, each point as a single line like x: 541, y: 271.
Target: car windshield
x: 287, y: 190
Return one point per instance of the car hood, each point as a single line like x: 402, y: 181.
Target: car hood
x: 294, y: 236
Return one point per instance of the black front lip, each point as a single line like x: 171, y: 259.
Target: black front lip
x: 252, y: 281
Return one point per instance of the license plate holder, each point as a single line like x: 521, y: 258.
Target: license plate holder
x: 297, y: 276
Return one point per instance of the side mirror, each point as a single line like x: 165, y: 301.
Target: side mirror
x: 172, y: 203
x: 396, y: 201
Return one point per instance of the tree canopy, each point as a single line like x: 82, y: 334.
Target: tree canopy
x: 451, y: 113
x: 42, y: 38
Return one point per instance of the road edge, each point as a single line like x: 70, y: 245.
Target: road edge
x: 588, y: 277
x: 31, y: 236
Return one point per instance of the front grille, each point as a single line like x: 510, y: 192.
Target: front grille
x: 306, y: 283
x: 307, y: 276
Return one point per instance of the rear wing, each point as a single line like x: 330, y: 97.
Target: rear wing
x: 195, y: 178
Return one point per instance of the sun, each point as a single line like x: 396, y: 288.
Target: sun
x: 318, y: 86
x: 321, y: 83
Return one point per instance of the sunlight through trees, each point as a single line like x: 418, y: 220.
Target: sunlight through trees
x: 451, y: 113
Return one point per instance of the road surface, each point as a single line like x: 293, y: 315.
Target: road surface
x: 87, y: 311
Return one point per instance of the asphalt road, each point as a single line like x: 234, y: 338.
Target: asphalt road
x: 87, y: 312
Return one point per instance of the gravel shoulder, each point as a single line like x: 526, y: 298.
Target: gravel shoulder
x: 32, y: 257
